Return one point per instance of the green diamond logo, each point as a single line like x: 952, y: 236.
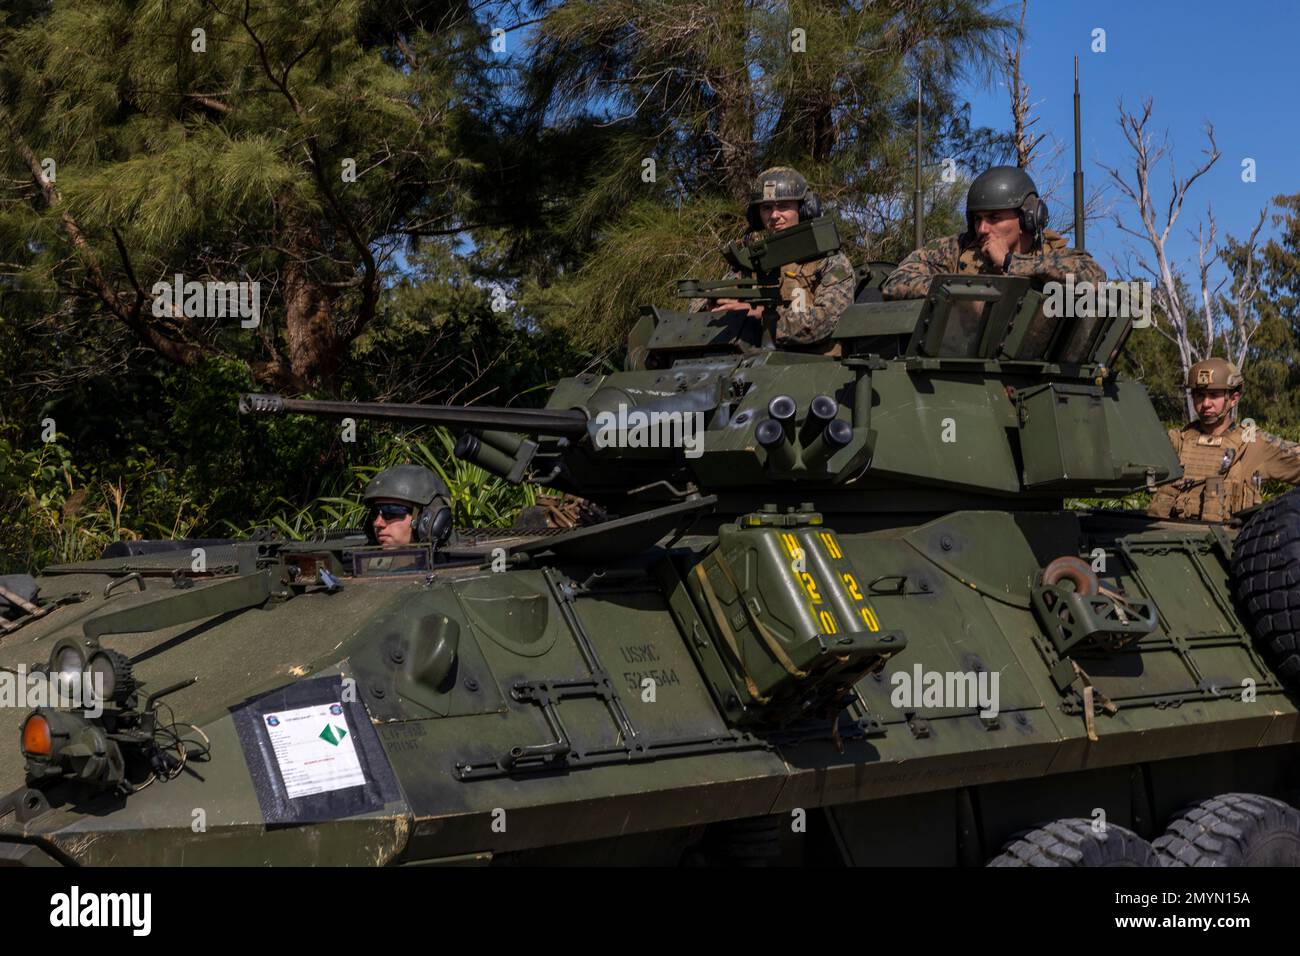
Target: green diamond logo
x: 333, y: 735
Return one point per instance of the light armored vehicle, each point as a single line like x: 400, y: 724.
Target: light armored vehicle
x: 840, y: 611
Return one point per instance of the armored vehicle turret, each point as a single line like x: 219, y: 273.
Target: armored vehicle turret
x: 842, y: 611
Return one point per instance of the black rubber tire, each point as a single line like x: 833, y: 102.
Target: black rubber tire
x: 1233, y: 829
x: 1073, y: 842
x: 752, y: 842
x: 1266, y: 583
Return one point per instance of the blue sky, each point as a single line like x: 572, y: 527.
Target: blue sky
x: 1233, y: 64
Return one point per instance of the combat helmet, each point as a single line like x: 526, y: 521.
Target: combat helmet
x: 1007, y: 187
x: 431, y: 520
x: 1215, y: 373
x: 778, y: 184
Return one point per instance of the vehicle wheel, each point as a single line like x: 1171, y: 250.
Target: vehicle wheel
x: 1266, y: 582
x: 752, y: 842
x: 1074, y: 842
x: 1234, y: 829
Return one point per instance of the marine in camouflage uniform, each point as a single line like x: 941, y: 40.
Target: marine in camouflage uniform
x: 1224, y: 464
x: 804, y: 318
x: 1032, y: 249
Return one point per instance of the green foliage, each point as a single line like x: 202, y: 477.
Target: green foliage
x: 58, y: 515
x: 712, y: 92
x: 1273, y: 370
x: 231, y: 163
x: 227, y: 164
x: 169, y: 443
x: 51, y: 513
x: 642, y: 254
x: 479, y: 499
x: 1138, y: 501
x: 1152, y: 359
x: 439, y: 340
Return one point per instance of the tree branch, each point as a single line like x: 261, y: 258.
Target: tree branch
x: 178, y: 352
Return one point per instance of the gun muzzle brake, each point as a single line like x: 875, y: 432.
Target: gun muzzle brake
x: 251, y: 403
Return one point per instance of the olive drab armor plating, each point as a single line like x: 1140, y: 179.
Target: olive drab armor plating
x: 848, y: 587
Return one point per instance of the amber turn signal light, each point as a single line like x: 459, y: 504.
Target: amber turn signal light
x: 36, y: 736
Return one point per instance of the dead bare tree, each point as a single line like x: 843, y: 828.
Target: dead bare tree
x: 1021, y: 109
x: 1207, y: 254
x: 1147, y: 155
x: 1238, y: 307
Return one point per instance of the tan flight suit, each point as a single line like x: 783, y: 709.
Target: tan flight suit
x: 1222, y: 474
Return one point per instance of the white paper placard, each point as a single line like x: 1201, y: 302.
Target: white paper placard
x: 314, y: 749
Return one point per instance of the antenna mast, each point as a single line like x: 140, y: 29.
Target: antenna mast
x: 1078, y: 166
x: 918, y: 209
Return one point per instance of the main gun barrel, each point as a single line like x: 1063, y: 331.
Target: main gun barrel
x: 528, y: 420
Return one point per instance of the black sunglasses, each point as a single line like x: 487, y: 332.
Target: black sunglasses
x: 392, y: 512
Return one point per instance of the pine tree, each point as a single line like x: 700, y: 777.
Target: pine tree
x: 1273, y: 372
x: 301, y: 144
x: 674, y: 105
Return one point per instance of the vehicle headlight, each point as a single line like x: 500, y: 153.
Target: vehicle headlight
x: 111, y: 676
x: 67, y: 666
x: 68, y: 661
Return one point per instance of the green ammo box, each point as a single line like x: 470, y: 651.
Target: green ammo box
x: 788, y: 617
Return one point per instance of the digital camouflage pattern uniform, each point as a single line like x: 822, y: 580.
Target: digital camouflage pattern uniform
x: 808, y: 317
x: 1222, y: 474
x: 828, y: 285
x: 960, y: 254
